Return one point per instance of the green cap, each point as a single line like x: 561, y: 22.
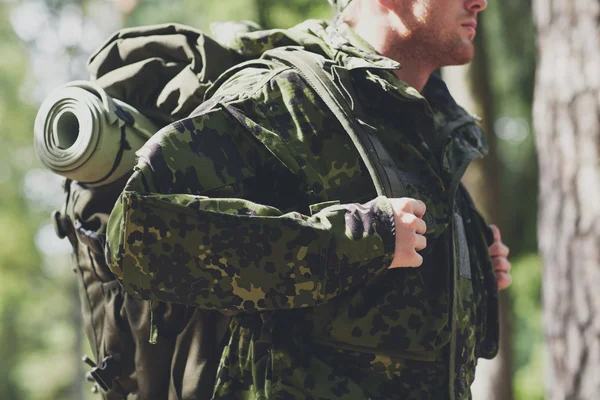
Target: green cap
x: 339, y: 5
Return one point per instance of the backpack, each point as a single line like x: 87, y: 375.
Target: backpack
x: 131, y: 359
x: 161, y: 72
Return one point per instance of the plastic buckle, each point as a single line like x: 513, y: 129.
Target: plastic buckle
x: 106, y: 373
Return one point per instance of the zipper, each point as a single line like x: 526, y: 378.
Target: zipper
x: 455, y: 181
x: 452, y: 358
x: 443, y: 140
x: 453, y: 188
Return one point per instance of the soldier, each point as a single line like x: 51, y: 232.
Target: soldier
x: 260, y: 205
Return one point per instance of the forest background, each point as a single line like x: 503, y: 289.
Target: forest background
x: 45, y: 43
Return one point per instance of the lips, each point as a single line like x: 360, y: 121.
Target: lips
x: 470, y: 26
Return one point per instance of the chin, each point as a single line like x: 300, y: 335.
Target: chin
x: 462, y: 55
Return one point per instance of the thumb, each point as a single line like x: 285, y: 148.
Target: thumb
x: 496, y: 232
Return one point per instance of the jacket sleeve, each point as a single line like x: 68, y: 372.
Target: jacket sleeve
x: 167, y: 242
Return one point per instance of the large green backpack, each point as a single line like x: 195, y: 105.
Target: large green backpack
x: 164, y: 72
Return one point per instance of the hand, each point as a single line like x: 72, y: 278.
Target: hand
x: 499, y: 253
x: 410, y: 228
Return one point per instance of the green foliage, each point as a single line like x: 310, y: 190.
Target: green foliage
x: 267, y: 13
x: 278, y: 14
x: 18, y: 257
x: 37, y: 334
x: 528, y: 345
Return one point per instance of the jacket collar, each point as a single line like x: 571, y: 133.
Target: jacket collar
x: 338, y: 42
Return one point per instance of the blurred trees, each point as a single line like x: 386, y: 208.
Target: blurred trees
x: 502, y: 81
x: 567, y: 111
x: 29, y: 295
x: 48, y: 42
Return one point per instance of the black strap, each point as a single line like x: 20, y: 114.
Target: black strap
x: 380, y: 165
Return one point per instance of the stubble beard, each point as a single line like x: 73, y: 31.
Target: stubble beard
x: 436, y: 51
x: 452, y: 50
x: 460, y: 51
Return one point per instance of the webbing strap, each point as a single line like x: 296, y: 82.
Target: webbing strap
x: 378, y: 161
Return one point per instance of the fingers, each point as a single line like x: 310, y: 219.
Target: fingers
x: 409, y: 205
x: 407, y: 256
x: 499, y: 249
x: 420, y: 226
x: 418, y: 208
x: 499, y: 253
x: 501, y: 264
x: 418, y: 260
x: 414, y: 223
x: 420, y: 242
x: 496, y: 232
x: 502, y: 268
x: 410, y: 259
x: 410, y: 231
x: 504, y: 280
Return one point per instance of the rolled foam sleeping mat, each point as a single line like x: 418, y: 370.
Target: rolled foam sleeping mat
x: 83, y: 134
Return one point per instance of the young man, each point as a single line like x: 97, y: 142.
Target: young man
x: 259, y: 205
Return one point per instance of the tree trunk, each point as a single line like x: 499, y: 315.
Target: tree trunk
x: 567, y: 123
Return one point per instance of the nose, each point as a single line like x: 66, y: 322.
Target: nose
x: 476, y: 5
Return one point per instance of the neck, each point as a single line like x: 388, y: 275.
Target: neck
x: 413, y: 72
x: 394, y: 42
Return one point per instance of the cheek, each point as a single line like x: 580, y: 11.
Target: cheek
x: 421, y: 9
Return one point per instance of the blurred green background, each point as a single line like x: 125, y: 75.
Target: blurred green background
x: 45, y: 43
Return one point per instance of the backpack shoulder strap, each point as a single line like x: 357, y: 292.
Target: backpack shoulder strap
x: 378, y: 161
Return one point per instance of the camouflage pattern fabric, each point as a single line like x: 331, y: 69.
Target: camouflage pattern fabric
x: 259, y: 205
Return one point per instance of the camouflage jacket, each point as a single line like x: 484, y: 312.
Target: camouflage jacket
x: 259, y: 204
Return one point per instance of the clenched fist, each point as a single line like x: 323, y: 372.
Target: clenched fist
x: 499, y: 254
x: 410, y: 231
